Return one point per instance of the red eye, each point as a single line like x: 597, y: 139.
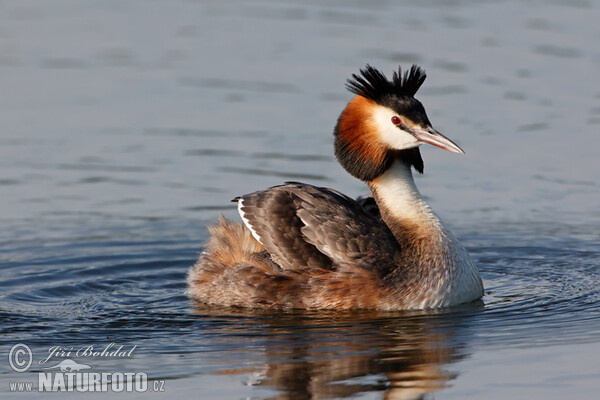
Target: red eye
x: 396, y: 120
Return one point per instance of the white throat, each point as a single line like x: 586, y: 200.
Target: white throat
x: 397, y: 191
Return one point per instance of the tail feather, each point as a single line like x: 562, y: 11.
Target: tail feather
x: 236, y: 270
x: 232, y: 268
x: 231, y: 243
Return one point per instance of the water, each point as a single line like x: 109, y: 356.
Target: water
x: 126, y: 127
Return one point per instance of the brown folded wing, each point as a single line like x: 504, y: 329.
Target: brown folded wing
x: 308, y: 227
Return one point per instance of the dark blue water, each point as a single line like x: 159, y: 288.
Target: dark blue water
x: 125, y: 128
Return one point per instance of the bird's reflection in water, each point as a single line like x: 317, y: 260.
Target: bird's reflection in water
x: 322, y: 355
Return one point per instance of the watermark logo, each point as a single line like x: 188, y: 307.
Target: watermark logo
x: 20, y: 357
x: 69, y: 366
x: 71, y: 375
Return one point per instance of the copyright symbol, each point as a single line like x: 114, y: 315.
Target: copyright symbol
x: 20, y: 357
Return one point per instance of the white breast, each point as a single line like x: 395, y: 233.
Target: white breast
x: 447, y: 275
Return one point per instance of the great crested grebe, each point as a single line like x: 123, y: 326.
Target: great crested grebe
x: 308, y: 247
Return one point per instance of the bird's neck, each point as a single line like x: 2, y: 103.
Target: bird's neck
x: 434, y: 263
x: 403, y: 209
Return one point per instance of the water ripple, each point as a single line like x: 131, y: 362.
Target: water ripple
x: 133, y: 292
x: 281, y: 174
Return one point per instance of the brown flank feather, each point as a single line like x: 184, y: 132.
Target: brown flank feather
x: 234, y: 270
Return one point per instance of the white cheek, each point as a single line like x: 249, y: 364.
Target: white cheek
x: 389, y: 133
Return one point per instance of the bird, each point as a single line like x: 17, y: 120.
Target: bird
x: 301, y: 246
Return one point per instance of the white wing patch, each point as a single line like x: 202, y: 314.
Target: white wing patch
x: 246, y: 222
x: 303, y: 221
x: 324, y: 248
x: 327, y: 252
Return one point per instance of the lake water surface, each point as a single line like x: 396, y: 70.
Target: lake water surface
x: 126, y: 127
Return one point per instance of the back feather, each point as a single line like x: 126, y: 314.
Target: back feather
x: 304, y: 226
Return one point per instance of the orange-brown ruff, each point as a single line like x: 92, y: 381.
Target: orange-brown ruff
x: 307, y: 247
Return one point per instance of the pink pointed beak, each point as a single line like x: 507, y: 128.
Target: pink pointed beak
x: 431, y: 136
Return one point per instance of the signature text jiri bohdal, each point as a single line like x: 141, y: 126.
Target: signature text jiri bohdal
x: 109, y: 351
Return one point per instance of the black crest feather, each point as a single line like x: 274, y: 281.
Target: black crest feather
x: 374, y: 85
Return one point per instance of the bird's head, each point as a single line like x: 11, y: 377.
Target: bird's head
x: 384, y: 122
